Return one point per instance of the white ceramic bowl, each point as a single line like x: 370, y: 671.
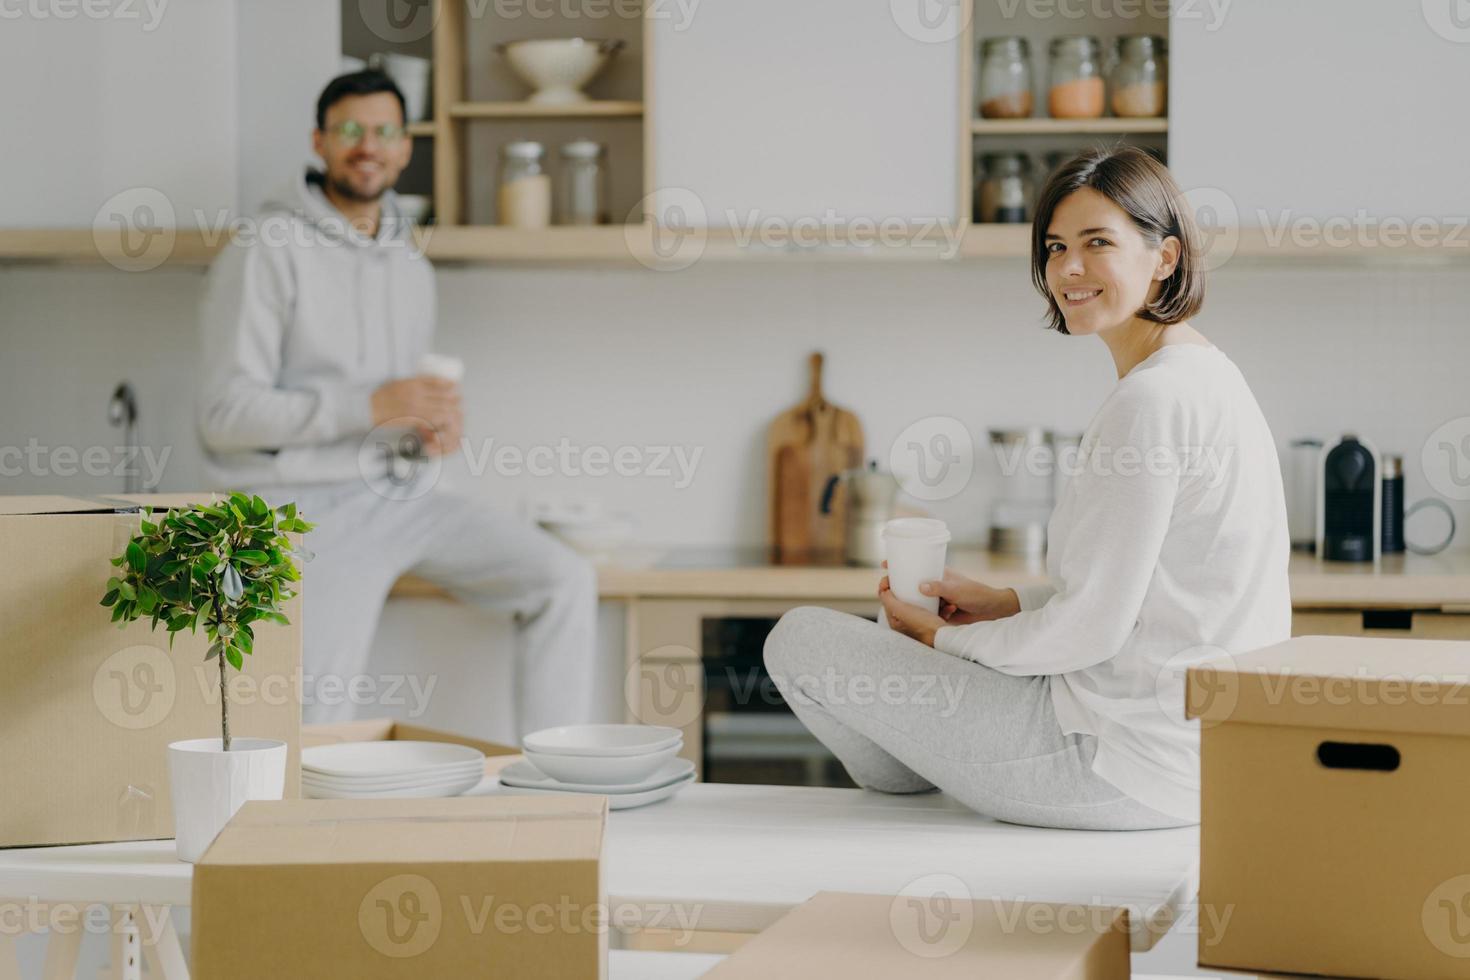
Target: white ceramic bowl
x: 601, y: 740
x: 557, y: 68
x: 603, y: 770
x: 595, y: 538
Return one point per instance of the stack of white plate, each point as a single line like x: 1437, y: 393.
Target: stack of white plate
x: 632, y: 765
x: 380, y: 770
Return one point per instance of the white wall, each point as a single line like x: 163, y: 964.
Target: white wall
x: 704, y: 358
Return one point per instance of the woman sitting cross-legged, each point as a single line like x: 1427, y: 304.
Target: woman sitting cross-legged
x: 1062, y: 705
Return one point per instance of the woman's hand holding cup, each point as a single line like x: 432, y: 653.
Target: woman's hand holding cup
x: 963, y: 600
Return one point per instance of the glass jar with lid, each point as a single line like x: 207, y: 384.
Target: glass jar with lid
x: 1003, y: 193
x: 524, y: 194
x: 1140, y: 76
x: 1075, y: 89
x: 582, y: 184
x: 1024, y: 497
x: 1003, y: 89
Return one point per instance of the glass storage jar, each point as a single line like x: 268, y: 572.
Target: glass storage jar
x: 582, y: 185
x: 524, y: 195
x: 1003, y: 194
x: 1140, y: 77
x: 1076, y: 88
x: 1004, y: 85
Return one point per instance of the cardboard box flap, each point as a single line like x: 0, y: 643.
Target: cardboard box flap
x: 1339, y: 682
x: 485, y: 828
x: 35, y: 505
x: 872, y: 936
x: 388, y: 730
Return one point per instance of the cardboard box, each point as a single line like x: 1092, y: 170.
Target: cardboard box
x: 497, y: 756
x: 87, y: 710
x: 838, y: 934
x: 1333, y: 802
x: 492, y: 886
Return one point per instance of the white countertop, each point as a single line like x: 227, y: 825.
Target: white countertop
x: 737, y: 856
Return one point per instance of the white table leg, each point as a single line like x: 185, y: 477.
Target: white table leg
x: 161, y: 949
x: 126, y: 960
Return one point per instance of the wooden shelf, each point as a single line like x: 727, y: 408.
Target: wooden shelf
x: 1066, y: 127
x: 490, y: 243
x: 425, y: 129
x: 530, y: 110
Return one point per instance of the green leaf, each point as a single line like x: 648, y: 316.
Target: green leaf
x: 252, y: 557
x: 233, y: 656
x: 118, y: 610
x: 179, y: 622
x: 147, y: 600
x: 245, y: 641
x: 127, y: 591
x: 231, y: 583
x: 136, y: 559
x: 148, y: 527
x: 109, y: 598
x: 214, y: 649
x: 118, y: 560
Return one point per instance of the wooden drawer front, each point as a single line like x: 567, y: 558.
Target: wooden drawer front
x: 1415, y: 624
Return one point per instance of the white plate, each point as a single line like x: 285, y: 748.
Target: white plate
x: 428, y: 791
x: 526, y: 776
x: 615, y: 801
x: 602, y: 740
x: 385, y: 782
x: 406, y: 782
x: 378, y: 759
x: 611, y: 770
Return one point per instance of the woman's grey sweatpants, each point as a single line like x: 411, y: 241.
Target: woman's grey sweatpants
x: 905, y: 718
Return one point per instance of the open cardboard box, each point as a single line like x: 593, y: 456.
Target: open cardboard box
x: 875, y: 937
x: 87, y: 710
x: 497, y: 756
x: 1333, y: 801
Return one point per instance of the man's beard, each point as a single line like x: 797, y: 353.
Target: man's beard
x: 343, y: 189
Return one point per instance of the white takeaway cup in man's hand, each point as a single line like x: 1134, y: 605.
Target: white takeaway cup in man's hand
x: 915, y: 549
x: 444, y: 366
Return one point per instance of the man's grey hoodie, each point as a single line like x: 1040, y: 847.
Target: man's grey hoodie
x: 303, y: 318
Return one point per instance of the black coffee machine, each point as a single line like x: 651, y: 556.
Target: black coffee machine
x: 1349, y: 507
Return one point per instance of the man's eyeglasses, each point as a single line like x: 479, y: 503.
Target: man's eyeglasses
x: 351, y: 133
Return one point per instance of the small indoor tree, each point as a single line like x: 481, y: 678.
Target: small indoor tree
x: 224, y: 566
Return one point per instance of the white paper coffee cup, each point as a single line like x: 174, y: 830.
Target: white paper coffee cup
x: 444, y: 366
x: 914, y: 548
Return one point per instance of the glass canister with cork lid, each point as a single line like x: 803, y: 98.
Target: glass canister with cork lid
x: 1003, y: 193
x: 524, y: 195
x: 1003, y: 89
x: 1140, y: 77
x: 582, y: 184
x: 1076, y: 89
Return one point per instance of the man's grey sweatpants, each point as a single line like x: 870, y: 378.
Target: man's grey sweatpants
x: 905, y: 718
x: 481, y: 554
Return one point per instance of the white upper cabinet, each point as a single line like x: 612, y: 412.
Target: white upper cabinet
x: 1318, y: 109
x: 774, y: 109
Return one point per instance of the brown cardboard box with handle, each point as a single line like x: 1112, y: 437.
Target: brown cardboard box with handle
x: 1333, y: 801
x: 87, y: 710
x: 875, y: 937
x: 492, y: 886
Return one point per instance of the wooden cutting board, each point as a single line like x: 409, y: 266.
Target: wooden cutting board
x: 805, y: 447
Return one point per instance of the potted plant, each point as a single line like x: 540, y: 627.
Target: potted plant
x: 227, y: 567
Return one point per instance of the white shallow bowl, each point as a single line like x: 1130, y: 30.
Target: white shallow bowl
x: 594, y: 537
x: 601, y: 740
x: 557, y: 68
x: 429, y: 790
x: 526, y: 776
x: 392, y: 782
x: 615, y: 801
x: 606, y: 770
x: 356, y: 760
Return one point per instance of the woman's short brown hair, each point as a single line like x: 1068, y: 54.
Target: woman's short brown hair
x: 1139, y: 184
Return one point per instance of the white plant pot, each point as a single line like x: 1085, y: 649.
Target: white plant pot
x: 208, y: 785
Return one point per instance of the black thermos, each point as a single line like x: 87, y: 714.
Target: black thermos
x: 1393, y: 504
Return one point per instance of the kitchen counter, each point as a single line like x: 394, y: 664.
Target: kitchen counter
x: 1397, y: 582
